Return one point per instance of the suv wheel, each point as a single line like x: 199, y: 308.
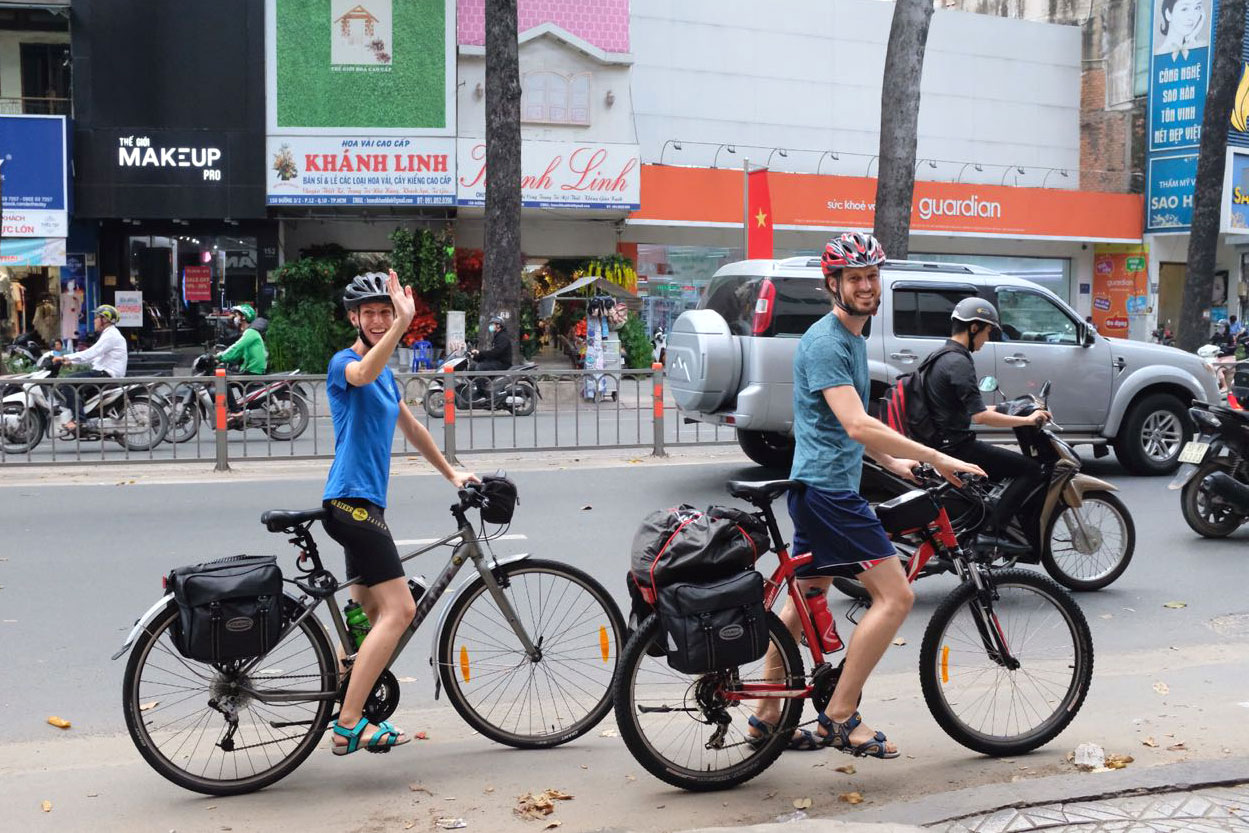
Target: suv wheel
x: 1152, y: 435
x: 767, y: 448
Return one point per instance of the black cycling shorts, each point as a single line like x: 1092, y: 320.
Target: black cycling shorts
x: 360, y: 526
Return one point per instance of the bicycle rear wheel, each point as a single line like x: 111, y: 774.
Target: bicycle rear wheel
x: 498, y: 689
x: 668, y: 719
x: 976, y: 699
x: 170, y: 712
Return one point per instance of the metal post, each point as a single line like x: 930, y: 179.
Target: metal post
x: 746, y: 207
x: 448, y: 415
x: 657, y: 371
x: 223, y: 442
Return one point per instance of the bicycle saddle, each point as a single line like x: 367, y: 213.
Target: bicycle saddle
x: 760, y: 491
x: 276, y: 520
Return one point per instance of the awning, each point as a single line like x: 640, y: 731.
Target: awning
x: 32, y: 251
x: 601, y: 286
x: 711, y: 197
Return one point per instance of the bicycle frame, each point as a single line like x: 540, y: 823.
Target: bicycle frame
x: 321, y: 585
x: 938, y: 537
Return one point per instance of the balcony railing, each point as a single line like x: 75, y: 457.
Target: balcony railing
x: 42, y: 106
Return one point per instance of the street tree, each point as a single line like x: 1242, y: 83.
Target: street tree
x: 1203, y: 238
x: 899, y: 118
x: 501, y: 278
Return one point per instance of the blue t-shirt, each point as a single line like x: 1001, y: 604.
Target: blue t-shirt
x: 828, y: 356
x: 364, y: 429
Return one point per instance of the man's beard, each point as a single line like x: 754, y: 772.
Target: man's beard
x: 867, y: 310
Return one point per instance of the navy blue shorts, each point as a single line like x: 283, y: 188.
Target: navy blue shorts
x: 840, y: 530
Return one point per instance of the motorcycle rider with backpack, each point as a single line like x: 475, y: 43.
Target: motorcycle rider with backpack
x: 949, y: 385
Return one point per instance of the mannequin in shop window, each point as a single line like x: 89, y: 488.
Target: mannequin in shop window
x: 46, y: 322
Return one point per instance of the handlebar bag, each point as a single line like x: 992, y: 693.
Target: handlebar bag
x: 682, y: 544
x: 228, y: 609
x: 714, y: 626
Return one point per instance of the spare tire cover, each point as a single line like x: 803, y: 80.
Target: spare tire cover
x: 704, y: 361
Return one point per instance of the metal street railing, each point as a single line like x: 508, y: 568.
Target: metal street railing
x: 188, y: 418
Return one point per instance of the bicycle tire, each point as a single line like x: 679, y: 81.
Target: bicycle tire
x: 596, y: 628
x: 139, y: 710
x: 1107, y: 577
x: 934, y: 662
x: 689, y: 778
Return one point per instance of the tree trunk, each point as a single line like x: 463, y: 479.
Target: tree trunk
x: 899, y: 117
x: 501, y: 287
x: 1203, y: 238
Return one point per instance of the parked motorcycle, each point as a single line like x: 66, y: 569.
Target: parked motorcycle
x: 130, y: 415
x: 518, y: 394
x: 1213, y: 473
x: 280, y: 409
x: 24, y: 352
x: 1163, y: 335
x: 1072, y: 523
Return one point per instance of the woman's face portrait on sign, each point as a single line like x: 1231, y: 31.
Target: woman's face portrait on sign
x: 1181, y: 25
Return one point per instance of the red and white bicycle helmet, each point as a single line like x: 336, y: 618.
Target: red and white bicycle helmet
x: 852, y: 249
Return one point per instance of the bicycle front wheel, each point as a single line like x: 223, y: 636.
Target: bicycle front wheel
x: 506, y: 695
x: 179, y: 711
x: 692, y: 731
x: 974, y: 696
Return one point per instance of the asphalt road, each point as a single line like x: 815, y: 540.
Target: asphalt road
x: 80, y: 563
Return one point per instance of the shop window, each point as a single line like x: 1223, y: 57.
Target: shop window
x: 924, y: 313
x: 551, y: 98
x: 1029, y: 316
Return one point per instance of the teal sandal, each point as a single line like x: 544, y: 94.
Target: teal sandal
x: 838, y: 737
x: 803, y: 740
x: 386, y: 737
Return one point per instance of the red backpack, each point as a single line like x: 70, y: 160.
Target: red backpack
x: 905, y: 407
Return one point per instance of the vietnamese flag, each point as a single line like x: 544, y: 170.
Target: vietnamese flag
x: 758, y: 215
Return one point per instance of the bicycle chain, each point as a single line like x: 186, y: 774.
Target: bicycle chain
x: 796, y: 726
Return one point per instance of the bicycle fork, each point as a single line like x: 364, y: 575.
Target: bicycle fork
x: 987, y: 624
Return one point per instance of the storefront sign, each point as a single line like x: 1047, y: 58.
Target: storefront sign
x: 130, y: 307
x: 197, y: 283
x: 360, y: 67
x: 310, y: 170
x: 32, y: 251
x: 33, y: 165
x: 1120, y: 285
x: 1171, y: 181
x: 713, y: 197
x: 559, y: 175
x: 1235, y: 219
x: 1178, y: 76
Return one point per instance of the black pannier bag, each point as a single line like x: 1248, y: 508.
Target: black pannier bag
x: 683, y: 544
x: 228, y: 609
x: 716, y: 625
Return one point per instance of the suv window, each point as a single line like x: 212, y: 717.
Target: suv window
x: 734, y: 296
x: 925, y: 313
x: 800, y: 302
x: 1027, y: 316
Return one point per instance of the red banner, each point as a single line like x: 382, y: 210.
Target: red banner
x: 197, y: 283
x: 758, y: 216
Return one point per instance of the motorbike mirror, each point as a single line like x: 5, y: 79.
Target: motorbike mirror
x: 1045, y: 391
x: 988, y: 384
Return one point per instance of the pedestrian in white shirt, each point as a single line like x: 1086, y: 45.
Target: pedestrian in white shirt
x: 107, y: 358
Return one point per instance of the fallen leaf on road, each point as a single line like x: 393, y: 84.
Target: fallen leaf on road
x: 488, y: 790
x: 635, y: 461
x: 1118, y: 761
x: 46, y: 806
x: 93, y: 795
x: 530, y: 806
x: 1162, y: 688
x: 802, y: 804
x: 1150, y: 742
x: 1106, y: 616
x: 851, y: 798
x: 59, y: 722
x: 899, y: 641
x: 451, y: 824
x: 421, y: 736
x: 607, y: 733
x: 1177, y: 747
x: 1175, y: 605
x: 144, y: 707
x: 409, y: 825
x: 550, y: 825
x: 634, y: 778
x: 583, y: 766
x: 586, y: 508
x: 417, y: 788
x: 848, y: 769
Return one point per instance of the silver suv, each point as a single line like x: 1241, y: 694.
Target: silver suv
x: 730, y: 361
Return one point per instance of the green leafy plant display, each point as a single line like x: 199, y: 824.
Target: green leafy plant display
x: 306, y: 323
x: 635, y: 344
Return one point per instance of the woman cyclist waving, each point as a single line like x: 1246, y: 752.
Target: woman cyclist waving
x: 366, y: 404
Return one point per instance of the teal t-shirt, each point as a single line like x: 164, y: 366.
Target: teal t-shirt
x: 828, y: 356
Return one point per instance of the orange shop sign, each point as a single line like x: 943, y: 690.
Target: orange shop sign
x: 713, y: 197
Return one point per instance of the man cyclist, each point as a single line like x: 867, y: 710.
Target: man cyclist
x: 954, y: 400
x: 831, y: 519
x: 366, y: 403
x: 250, y: 348
x: 108, y: 358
